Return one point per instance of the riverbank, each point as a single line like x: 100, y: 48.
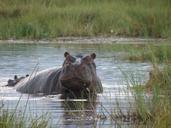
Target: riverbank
x: 132, y: 49
x: 89, y: 40
x: 23, y: 19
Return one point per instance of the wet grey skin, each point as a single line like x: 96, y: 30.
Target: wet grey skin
x: 12, y: 83
x: 76, y: 75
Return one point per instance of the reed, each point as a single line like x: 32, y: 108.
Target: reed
x: 152, y: 101
x: 17, y: 118
x: 10, y: 119
x: 154, y: 53
x: 53, y: 18
x: 155, y: 110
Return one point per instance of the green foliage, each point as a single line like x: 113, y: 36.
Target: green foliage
x: 153, y: 53
x: 52, y: 18
x: 9, y: 119
x: 153, y: 106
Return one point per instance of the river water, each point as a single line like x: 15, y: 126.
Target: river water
x: 115, y: 74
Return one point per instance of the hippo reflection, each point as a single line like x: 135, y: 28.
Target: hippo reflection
x: 80, y: 113
x: 77, y: 74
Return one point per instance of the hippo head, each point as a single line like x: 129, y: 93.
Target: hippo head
x: 79, y: 73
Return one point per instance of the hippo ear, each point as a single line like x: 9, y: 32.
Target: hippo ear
x: 66, y: 54
x: 93, y: 55
x: 15, y: 77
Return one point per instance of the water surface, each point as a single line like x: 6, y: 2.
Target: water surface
x: 22, y: 59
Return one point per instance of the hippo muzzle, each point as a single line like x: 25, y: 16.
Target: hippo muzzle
x: 75, y: 84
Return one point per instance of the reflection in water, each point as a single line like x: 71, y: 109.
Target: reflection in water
x: 80, y: 113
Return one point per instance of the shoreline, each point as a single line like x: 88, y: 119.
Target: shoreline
x: 88, y: 40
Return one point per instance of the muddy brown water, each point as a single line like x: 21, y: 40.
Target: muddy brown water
x: 22, y: 59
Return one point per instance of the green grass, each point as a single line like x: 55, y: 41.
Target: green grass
x: 152, y: 101
x: 152, y: 105
x: 155, y: 111
x: 153, y: 53
x: 18, y: 119
x: 35, y: 19
x: 9, y: 119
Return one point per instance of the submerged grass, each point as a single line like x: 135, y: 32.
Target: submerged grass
x: 155, y: 109
x: 19, y: 118
x: 16, y: 120
x: 52, y: 18
x: 152, y: 101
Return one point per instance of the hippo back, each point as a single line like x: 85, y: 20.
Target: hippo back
x: 45, y: 82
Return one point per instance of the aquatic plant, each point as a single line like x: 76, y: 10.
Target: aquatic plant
x: 10, y: 119
x: 154, y: 53
x: 53, y: 18
x: 17, y: 118
x: 153, y: 102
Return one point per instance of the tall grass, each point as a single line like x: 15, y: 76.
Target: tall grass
x: 9, y: 119
x: 52, y: 18
x: 150, y: 52
x: 154, y: 107
x: 18, y: 118
x: 154, y: 53
x: 152, y: 102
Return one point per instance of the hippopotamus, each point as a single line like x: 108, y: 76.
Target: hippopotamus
x: 77, y: 73
x: 13, y: 82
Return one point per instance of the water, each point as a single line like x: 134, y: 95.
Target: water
x: 22, y: 59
